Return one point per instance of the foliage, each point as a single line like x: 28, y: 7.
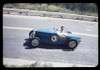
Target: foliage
x: 90, y: 9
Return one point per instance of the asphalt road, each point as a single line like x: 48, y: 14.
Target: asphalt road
x: 16, y: 29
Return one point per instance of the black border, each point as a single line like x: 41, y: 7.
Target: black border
x: 44, y: 1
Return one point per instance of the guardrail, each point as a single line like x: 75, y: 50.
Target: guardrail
x: 50, y: 14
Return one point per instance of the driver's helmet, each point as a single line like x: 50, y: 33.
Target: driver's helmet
x: 62, y: 26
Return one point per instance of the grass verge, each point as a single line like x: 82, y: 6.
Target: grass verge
x: 36, y: 64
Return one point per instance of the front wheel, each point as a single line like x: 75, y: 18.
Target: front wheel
x: 35, y: 42
x: 72, y: 44
x: 31, y: 34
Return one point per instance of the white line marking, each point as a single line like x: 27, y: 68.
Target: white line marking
x: 83, y: 34
x: 18, y: 28
x: 92, y: 35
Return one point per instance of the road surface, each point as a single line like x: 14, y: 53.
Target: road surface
x: 16, y: 29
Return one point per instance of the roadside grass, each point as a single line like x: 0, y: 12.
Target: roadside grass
x: 36, y: 64
x: 50, y: 8
x: 12, y: 66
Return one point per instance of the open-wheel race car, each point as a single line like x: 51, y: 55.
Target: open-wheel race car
x: 53, y: 36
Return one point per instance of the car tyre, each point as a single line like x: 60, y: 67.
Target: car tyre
x: 30, y: 33
x: 72, y: 44
x: 35, y: 42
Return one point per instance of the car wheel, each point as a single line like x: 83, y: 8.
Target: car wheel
x: 30, y: 33
x: 35, y: 42
x: 72, y: 44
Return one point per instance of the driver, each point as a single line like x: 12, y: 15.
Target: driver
x: 62, y: 29
x: 61, y: 33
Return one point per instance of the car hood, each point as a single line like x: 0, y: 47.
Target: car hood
x: 46, y: 31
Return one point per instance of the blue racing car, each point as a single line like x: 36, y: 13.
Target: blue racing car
x: 53, y: 36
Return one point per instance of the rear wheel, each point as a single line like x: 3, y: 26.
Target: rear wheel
x: 35, y: 42
x: 72, y: 44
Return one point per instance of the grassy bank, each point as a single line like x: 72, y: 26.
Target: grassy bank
x: 36, y: 64
x: 45, y: 7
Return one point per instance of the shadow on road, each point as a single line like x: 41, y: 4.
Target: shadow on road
x: 27, y: 45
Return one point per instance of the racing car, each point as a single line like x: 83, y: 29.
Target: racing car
x: 53, y: 36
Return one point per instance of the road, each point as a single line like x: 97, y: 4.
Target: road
x: 16, y: 29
